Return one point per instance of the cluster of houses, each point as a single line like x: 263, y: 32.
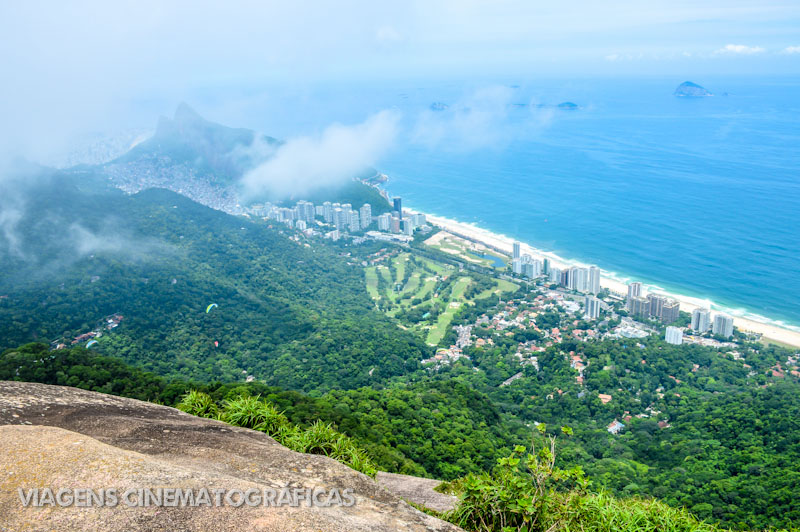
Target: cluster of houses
x: 108, y: 323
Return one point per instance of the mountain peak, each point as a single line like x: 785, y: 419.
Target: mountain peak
x: 184, y: 113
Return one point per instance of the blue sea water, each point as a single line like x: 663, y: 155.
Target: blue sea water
x: 697, y: 196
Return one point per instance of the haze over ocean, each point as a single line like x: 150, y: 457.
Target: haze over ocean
x: 697, y: 196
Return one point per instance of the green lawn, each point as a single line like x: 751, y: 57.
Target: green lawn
x: 371, y: 275
x: 454, y: 302
x: 400, y: 266
x: 412, y: 286
x: 420, y: 284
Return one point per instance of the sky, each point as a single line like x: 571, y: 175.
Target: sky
x: 76, y: 66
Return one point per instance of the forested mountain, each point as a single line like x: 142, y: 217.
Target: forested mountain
x: 214, y: 152
x: 285, y: 312
x: 208, y: 300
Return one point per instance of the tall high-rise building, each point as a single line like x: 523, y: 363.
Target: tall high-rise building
x: 634, y: 290
x: 516, y: 265
x: 355, y: 223
x: 594, y: 279
x: 394, y: 226
x: 639, y: 306
x: 407, y: 226
x: 591, y: 307
x: 397, y: 204
x: 537, y: 268
x: 516, y: 250
x: 365, y: 214
x: 305, y: 211
x: 384, y: 222
x: 674, y: 336
x: 656, y: 305
x: 663, y: 308
x: 566, y: 278
x: 341, y: 218
x: 546, y: 266
x: 528, y: 270
x: 701, y: 320
x: 555, y: 275
x: 723, y: 325
x: 579, y: 279
x: 671, y: 311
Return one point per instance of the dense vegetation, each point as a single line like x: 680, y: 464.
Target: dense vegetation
x: 252, y: 412
x: 703, y: 430
x: 333, y: 339
x: 525, y: 491
x: 528, y: 492
x: 741, y: 448
x: 294, y: 315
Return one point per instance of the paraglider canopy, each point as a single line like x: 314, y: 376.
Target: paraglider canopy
x: 90, y: 343
x: 208, y: 308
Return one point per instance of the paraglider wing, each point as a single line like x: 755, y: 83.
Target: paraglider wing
x: 216, y: 343
x: 208, y: 308
x: 90, y: 343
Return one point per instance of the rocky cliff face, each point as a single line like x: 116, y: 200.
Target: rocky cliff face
x: 72, y: 440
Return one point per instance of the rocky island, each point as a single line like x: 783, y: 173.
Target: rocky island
x: 689, y: 89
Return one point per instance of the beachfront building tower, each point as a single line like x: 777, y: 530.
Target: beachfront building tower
x: 537, y: 268
x: 674, y: 336
x: 546, y: 267
x: 634, y: 290
x: 397, y: 203
x: 516, y: 250
x: 670, y: 312
x: 723, y: 325
x: 639, y: 306
x: 594, y: 280
x: 701, y: 320
x: 516, y: 265
x: 579, y: 279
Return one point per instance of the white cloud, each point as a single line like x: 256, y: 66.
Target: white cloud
x: 475, y: 121
x: 612, y: 57
x: 9, y: 238
x: 741, y: 49
x: 303, y: 164
x: 791, y: 50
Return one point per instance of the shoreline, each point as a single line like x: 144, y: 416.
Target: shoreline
x: 767, y: 328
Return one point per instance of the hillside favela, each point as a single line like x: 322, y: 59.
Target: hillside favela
x: 426, y: 266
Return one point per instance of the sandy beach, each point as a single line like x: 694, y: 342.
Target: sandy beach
x: 505, y: 245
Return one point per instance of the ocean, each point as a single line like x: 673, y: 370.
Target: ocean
x: 699, y: 197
